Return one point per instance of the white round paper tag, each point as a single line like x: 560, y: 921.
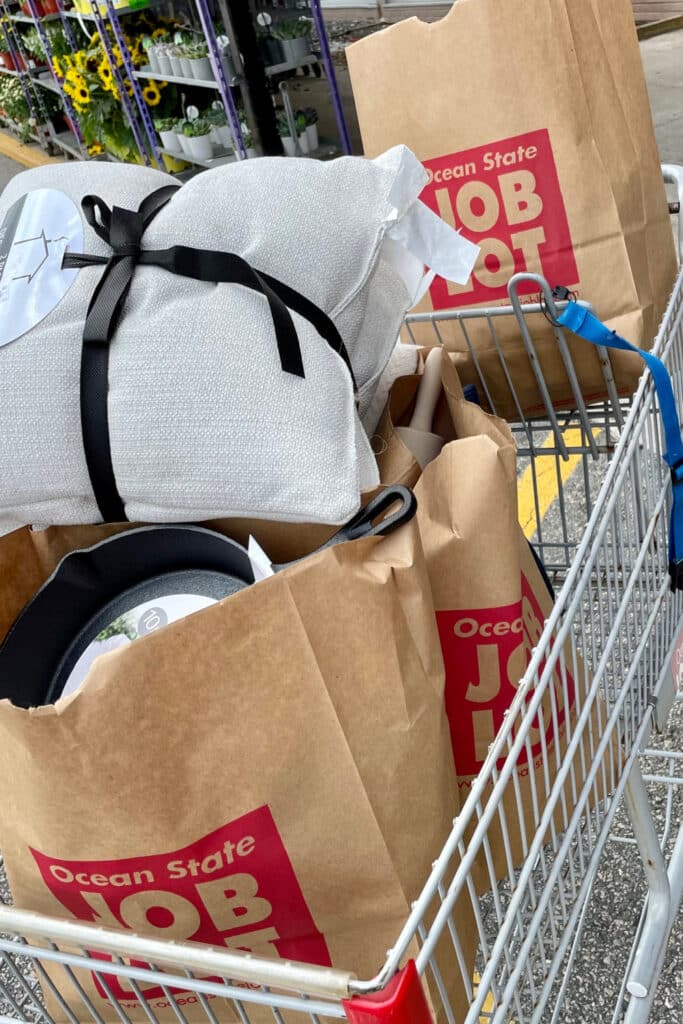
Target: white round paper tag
x: 36, y: 232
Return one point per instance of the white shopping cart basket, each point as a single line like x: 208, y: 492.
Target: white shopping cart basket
x: 537, y: 929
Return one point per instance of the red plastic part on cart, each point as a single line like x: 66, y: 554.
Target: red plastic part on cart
x: 401, y: 1002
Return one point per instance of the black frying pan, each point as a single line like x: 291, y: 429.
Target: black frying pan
x: 143, y: 569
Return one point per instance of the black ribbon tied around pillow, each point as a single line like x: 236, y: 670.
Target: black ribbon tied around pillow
x: 123, y: 231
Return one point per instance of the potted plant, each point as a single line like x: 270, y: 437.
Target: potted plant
x: 147, y: 45
x: 163, y: 59
x: 33, y: 45
x: 300, y: 121
x: 198, y: 135
x: 169, y: 139
x: 6, y: 59
x: 288, y: 143
x: 269, y: 46
x: 248, y: 140
x: 185, y: 50
x: 13, y: 101
x: 220, y: 132
x: 311, y: 115
x: 295, y: 36
x: 38, y: 9
x: 183, y: 142
x: 175, y: 61
x: 200, y: 63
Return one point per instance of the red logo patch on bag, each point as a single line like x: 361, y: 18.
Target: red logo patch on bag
x: 486, y: 653
x: 235, y: 888
x: 506, y: 197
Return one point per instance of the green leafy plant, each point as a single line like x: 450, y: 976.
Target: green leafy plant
x: 216, y: 116
x: 311, y: 115
x: 164, y: 124
x: 196, y: 129
x: 293, y: 28
x: 57, y: 41
x: 283, y: 127
x: 4, y: 45
x: 33, y: 44
x: 12, y: 100
x: 246, y: 135
x: 300, y: 121
x: 195, y: 51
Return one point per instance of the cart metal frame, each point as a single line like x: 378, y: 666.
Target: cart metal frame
x: 612, y: 647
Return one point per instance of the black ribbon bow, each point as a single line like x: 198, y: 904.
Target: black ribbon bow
x: 123, y: 230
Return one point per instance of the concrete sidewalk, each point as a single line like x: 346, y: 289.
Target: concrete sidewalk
x: 8, y: 168
x: 663, y: 63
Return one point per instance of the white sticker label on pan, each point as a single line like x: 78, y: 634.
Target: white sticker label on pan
x: 34, y: 235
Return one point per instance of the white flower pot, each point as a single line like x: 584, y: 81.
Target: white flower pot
x: 171, y: 141
x: 184, y: 143
x: 312, y: 136
x: 288, y: 145
x: 153, y: 59
x: 201, y: 147
x: 295, y: 49
x: 164, y: 62
x: 251, y: 153
x: 202, y: 70
x: 303, y: 142
x: 176, y: 66
x: 186, y: 66
x: 224, y: 136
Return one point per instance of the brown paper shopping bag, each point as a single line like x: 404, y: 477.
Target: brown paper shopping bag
x: 532, y: 120
x: 491, y: 600
x: 271, y: 774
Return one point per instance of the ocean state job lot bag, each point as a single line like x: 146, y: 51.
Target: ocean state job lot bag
x: 271, y: 774
x: 535, y: 127
x: 491, y: 601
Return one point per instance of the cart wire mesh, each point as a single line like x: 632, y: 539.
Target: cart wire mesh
x: 603, y: 674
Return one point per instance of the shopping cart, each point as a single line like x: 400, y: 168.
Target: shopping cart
x: 623, y: 628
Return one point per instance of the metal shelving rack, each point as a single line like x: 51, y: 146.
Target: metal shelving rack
x: 31, y: 81
x: 107, y: 22
x: 68, y: 142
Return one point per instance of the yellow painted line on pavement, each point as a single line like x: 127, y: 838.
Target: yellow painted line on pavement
x: 548, y: 479
x: 489, y: 1003
x: 28, y: 155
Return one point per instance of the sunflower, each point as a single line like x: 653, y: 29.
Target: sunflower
x: 105, y: 73
x: 81, y: 60
x: 118, y: 56
x: 159, y: 32
x: 57, y: 67
x: 94, y: 39
x: 95, y: 149
x: 151, y: 94
x: 76, y: 86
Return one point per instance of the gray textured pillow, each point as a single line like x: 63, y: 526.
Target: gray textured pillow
x: 203, y: 421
